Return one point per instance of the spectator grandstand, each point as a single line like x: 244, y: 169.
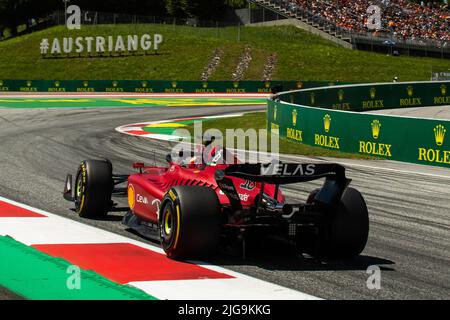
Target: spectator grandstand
x: 407, y: 27
x: 400, y: 18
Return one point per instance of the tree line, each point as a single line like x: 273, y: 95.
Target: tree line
x: 15, y: 13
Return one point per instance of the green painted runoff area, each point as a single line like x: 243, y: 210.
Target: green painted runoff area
x: 38, y: 276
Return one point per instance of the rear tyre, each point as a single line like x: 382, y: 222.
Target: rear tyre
x: 93, y: 188
x: 190, y: 222
x: 344, y: 235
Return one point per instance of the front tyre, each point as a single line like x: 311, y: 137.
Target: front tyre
x: 190, y: 222
x: 93, y: 188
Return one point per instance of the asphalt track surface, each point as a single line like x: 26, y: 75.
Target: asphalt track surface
x: 441, y: 112
x: 5, y: 294
x: 408, y: 204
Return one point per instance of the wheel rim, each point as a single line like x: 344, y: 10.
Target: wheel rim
x: 79, y: 188
x: 79, y: 192
x: 168, y: 222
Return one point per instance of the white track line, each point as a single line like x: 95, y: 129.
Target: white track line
x: 381, y: 167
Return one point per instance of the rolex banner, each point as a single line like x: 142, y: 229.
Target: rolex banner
x: 369, y: 97
x: 414, y: 140
x: 152, y: 86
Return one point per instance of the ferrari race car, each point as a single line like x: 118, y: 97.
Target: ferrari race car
x: 190, y: 208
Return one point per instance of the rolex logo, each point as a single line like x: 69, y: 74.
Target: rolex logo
x: 327, y: 123
x: 299, y: 84
x: 410, y: 90
x: 294, y: 117
x: 443, y: 89
x: 236, y: 84
x: 144, y: 84
x: 115, y: 83
x: 85, y: 83
x: 29, y: 83
x: 57, y: 84
x: 205, y: 85
x: 267, y: 84
x: 373, y: 93
x: 341, y: 95
x: 1, y: 83
x: 313, y: 98
x: 275, y: 113
x: 376, y: 126
x: 439, y: 134
x: 174, y: 84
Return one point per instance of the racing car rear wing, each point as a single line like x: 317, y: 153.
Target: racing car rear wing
x: 287, y: 173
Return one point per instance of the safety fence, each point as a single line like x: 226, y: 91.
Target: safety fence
x: 334, y: 118
x: 152, y: 86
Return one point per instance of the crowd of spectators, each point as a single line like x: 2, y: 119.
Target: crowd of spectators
x: 402, y: 19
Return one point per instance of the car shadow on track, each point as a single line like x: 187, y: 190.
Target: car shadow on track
x: 282, y: 256
x: 279, y: 255
x: 109, y: 217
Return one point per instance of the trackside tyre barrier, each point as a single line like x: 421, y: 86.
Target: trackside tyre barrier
x: 331, y: 118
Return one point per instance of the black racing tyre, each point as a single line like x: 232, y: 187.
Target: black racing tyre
x: 345, y: 235
x: 349, y: 229
x: 190, y: 222
x: 93, y: 188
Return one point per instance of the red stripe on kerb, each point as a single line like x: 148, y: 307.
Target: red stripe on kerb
x: 8, y: 210
x: 125, y: 262
x: 138, y: 132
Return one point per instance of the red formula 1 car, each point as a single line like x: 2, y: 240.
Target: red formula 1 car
x: 189, y: 208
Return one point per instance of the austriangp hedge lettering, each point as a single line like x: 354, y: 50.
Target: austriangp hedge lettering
x: 331, y: 118
x: 153, y: 86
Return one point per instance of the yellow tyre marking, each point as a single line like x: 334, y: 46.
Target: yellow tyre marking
x: 178, y: 228
x: 172, y: 195
x: 82, y: 203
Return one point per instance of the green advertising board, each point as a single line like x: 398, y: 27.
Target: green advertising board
x: 153, y: 86
x: 365, y: 97
x: 405, y: 139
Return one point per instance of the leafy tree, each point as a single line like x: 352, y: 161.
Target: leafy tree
x: 236, y: 3
x: 14, y: 13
